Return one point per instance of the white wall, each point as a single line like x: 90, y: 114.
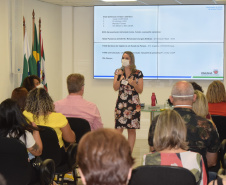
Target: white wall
x: 98, y: 91
x: 51, y: 33
x: 6, y: 78
x: 51, y: 16
x: 67, y: 46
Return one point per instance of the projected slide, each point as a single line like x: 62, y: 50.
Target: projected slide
x: 169, y: 42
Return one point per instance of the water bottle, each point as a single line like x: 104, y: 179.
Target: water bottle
x: 153, y: 100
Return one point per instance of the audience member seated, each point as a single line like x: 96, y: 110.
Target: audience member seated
x: 216, y: 98
x: 202, y: 136
x: 197, y: 86
x: 171, y: 146
x: 75, y: 106
x: 31, y: 82
x: 104, y: 157
x: 221, y: 180
x: 20, y: 95
x: 40, y: 109
x: 14, y: 125
x: 200, y: 106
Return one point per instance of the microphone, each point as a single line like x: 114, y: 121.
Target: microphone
x: 119, y: 76
x: 122, y: 68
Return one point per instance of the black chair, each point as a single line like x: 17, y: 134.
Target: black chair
x: 64, y: 161
x: 79, y: 126
x: 47, y: 172
x: 16, y: 169
x: 220, y: 122
x: 222, y: 154
x: 161, y: 175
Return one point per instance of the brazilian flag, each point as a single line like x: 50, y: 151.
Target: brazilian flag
x: 35, y: 55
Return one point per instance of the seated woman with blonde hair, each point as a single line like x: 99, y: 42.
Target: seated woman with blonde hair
x: 216, y: 97
x: 171, y: 146
x: 200, y: 106
x: 40, y: 109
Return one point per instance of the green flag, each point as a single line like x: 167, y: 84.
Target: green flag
x: 27, y: 57
x: 35, y: 55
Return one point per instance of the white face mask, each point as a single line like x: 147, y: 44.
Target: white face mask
x: 40, y: 86
x: 125, y: 62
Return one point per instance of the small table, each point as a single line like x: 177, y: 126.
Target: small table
x: 152, y: 110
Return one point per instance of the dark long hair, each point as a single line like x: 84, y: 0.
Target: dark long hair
x: 12, y: 121
x: 28, y: 82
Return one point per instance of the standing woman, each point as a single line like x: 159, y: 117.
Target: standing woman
x: 129, y: 82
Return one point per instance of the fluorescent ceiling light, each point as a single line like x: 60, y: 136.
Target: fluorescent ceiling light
x: 118, y: 0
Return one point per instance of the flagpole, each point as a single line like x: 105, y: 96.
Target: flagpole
x: 23, y: 26
x: 40, y: 24
x: 40, y: 61
x: 33, y: 22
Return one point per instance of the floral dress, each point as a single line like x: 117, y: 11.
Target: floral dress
x: 127, y: 109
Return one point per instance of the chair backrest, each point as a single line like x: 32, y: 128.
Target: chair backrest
x: 79, y: 126
x: 161, y: 175
x: 14, y: 165
x: 51, y: 147
x: 220, y: 122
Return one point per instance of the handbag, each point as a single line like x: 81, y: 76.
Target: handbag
x: 36, y: 162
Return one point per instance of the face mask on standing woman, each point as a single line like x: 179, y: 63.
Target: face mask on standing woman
x: 125, y: 62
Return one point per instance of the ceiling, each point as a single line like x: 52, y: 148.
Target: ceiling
x: 135, y: 3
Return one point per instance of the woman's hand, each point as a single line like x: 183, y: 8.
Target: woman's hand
x: 116, y: 83
x: 120, y: 72
x: 137, y: 84
x: 132, y: 81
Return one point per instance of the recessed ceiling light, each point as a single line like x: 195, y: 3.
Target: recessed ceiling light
x: 117, y: 0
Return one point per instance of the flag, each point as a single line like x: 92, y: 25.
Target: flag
x: 42, y: 67
x: 35, y: 55
x: 39, y: 56
x: 27, y: 58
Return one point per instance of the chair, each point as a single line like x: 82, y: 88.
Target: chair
x: 220, y: 122
x: 222, y: 154
x: 64, y: 161
x: 16, y: 169
x: 47, y: 172
x: 79, y: 126
x: 161, y: 175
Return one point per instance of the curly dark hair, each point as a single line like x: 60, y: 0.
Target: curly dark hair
x: 28, y: 82
x: 39, y: 103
